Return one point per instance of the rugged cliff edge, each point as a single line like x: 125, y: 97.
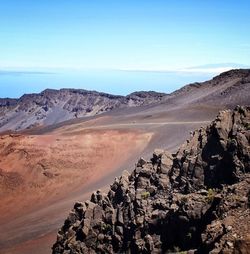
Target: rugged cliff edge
x: 194, y: 201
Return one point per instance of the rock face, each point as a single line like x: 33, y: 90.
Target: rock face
x: 194, y: 201
x: 54, y: 106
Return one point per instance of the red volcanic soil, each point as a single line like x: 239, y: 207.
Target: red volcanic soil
x: 42, y: 174
x: 39, y: 172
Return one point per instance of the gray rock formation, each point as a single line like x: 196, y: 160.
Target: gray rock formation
x: 54, y: 106
x: 194, y: 201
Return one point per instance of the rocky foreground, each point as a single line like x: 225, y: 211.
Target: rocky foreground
x: 194, y: 201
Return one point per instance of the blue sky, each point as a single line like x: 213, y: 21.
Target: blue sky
x: 148, y: 35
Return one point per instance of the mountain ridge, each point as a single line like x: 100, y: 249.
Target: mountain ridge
x: 53, y: 106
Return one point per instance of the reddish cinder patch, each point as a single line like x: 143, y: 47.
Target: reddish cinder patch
x: 42, y: 175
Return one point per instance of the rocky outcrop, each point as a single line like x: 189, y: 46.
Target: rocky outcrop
x: 194, y: 201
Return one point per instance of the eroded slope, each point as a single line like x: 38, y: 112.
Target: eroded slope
x: 41, y: 168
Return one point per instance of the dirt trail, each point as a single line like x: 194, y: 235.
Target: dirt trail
x: 141, y: 124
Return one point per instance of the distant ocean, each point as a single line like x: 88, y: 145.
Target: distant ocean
x: 16, y: 83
